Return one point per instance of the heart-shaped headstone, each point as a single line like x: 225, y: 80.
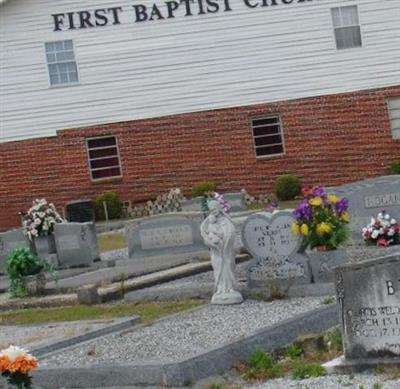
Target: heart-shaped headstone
x: 268, y: 235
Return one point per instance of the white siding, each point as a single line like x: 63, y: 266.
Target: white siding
x: 150, y: 69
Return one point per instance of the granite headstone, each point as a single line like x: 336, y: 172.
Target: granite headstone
x: 268, y: 238
x: 9, y: 241
x: 369, y: 298
x: 76, y: 244
x: 173, y: 233
x: 367, y: 198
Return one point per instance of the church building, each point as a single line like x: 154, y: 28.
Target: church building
x: 141, y: 96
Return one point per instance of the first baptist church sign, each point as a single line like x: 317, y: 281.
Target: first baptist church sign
x: 141, y: 13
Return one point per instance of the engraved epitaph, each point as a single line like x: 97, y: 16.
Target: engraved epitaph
x: 268, y: 237
x: 369, y: 297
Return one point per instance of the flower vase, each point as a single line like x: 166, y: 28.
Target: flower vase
x: 324, y: 260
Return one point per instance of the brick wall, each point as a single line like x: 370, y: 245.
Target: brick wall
x: 329, y: 140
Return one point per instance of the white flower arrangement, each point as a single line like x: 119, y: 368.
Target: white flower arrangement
x: 382, y: 230
x: 40, y: 219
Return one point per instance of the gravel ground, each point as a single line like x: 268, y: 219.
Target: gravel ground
x: 184, y: 335
x: 358, y: 381
x: 32, y: 336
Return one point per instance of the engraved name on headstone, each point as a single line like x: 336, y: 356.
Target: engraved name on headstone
x: 268, y: 237
x: 174, y: 233
x: 382, y: 200
x: 369, y: 296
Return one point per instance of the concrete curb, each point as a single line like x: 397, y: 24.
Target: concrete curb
x: 213, y: 362
x: 120, y: 324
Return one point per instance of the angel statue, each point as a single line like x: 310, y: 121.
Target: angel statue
x: 218, y: 232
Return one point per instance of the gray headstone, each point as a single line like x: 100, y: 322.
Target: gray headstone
x: 174, y: 233
x: 323, y: 264
x: 9, y: 241
x: 367, y: 198
x: 268, y: 238
x: 369, y: 297
x: 192, y: 205
x: 76, y: 244
x: 236, y: 201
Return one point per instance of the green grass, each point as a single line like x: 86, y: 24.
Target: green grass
x: 113, y: 241
x: 148, y: 312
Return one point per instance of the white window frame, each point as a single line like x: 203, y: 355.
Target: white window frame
x: 254, y: 137
x: 359, y: 25
x: 64, y: 84
x: 394, y: 131
x: 97, y: 159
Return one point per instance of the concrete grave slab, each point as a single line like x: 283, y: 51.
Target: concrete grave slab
x: 9, y: 241
x: 174, y: 233
x: 76, y: 244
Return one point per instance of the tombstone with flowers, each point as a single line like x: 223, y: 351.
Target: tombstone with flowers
x: 39, y: 224
x: 323, y: 220
x: 382, y: 231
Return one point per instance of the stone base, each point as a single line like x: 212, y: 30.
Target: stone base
x: 229, y: 298
x: 342, y: 365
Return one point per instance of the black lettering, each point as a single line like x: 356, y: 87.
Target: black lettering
x: 155, y: 12
x: 201, y: 7
x: 247, y: 2
x: 58, y: 22
x: 187, y: 6
x: 101, y: 20
x: 141, y: 13
x: 212, y: 6
x: 71, y: 20
x: 115, y: 11
x: 287, y: 1
x: 171, y: 7
x: 390, y: 288
x: 227, y: 6
x: 84, y: 18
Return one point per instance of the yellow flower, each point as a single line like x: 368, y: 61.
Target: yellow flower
x: 323, y: 228
x: 316, y: 201
x: 295, y: 229
x: 345, y: 216
x: 304, y: 229
x: 333, y: 199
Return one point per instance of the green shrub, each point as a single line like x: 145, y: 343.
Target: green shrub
x: 287, y: 187
x: 203, y: 189
x: 302, y: 370
x: 395, y: 167
x: 20, y: 263
x: 263, y: 365
x: 333, y: 340
x: 114, y: 206
x: 293, y: 352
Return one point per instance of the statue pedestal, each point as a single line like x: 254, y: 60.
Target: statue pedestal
x: 227, y: 298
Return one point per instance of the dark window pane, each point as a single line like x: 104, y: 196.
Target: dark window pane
x: 262, y: 121
x: 268, y: 140
x: 102, y: 142
x: 267, y: 130
x: 106, y: 173
x: 110, y: 152
x: 269, y: 150
x: 348, y: 37
x: 104, y: 163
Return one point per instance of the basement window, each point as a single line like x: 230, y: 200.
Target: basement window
x: 267, y: 135
x: 394, y: 116
x: 346, y: 25
x: 61, y: 63
x: 103, y: 156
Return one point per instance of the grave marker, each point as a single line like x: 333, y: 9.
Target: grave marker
x: 177, y: 233
x: 9, y: 241
x: 268, y: 237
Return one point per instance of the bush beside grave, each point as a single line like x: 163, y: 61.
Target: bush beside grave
x: 287, y: 187
x: 395, y: 167
x: 113, y: 203
x: 203, y: 189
